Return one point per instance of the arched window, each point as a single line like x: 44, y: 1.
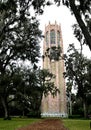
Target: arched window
x: 52, y: 37
x: 58, y: 37
x: 47, y: 37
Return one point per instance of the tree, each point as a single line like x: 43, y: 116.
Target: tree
x: 78, y: 107
x: 39, y: 82
x: 53, y: 53
x: 11, y: 85
x: 69, y: 96
x: 33, y: 85
x: 19, y: 41
x: 81, y: 10
x: 77, y: 71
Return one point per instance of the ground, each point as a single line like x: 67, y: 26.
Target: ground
x: 46, y: 124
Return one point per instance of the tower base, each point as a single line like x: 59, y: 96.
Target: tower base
x: 64, y: 115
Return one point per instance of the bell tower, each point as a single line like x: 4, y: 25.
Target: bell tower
x: 53, y: 51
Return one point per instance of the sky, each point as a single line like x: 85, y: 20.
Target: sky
x: 63, y: 17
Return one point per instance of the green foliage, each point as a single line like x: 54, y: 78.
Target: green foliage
x: 78, y: 73
x: 33, y: 84
x: 34, y: 114
x: 19, y: 41
x: 53, y: 53
x: 77, y: 69
x: 75, y: 117
x: 78, y: 107
x: 81, y: 10
x: 46, y: 82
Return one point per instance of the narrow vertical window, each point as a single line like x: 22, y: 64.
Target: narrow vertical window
x: 52, y: 37
x: 58, y: 37
x: 47, y: 38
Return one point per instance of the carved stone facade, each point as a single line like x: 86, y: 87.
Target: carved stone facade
x: 54, y: 107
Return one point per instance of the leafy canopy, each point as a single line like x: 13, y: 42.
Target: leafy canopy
x: 81, y: 9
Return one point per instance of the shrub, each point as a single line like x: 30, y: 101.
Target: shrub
x: 34, y: 114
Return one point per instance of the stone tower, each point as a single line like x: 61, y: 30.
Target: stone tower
x: 54, y: 107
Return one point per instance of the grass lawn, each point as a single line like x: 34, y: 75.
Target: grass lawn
x: 77, y: 124
x: 15, y: 123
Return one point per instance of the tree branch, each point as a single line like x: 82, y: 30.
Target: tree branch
x: 81, y: 23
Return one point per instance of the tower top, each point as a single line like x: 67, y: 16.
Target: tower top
x: 54, y: 26
x: 53, y: 35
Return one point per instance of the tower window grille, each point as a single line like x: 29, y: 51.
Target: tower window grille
x: 47, y: 37
x: 52, y: 37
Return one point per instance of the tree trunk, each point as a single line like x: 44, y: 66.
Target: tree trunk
x: 5, y: 106
x: 70, y: 107
x: 81, y: 23
x: 85, y: 109
x: 23, y: 113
